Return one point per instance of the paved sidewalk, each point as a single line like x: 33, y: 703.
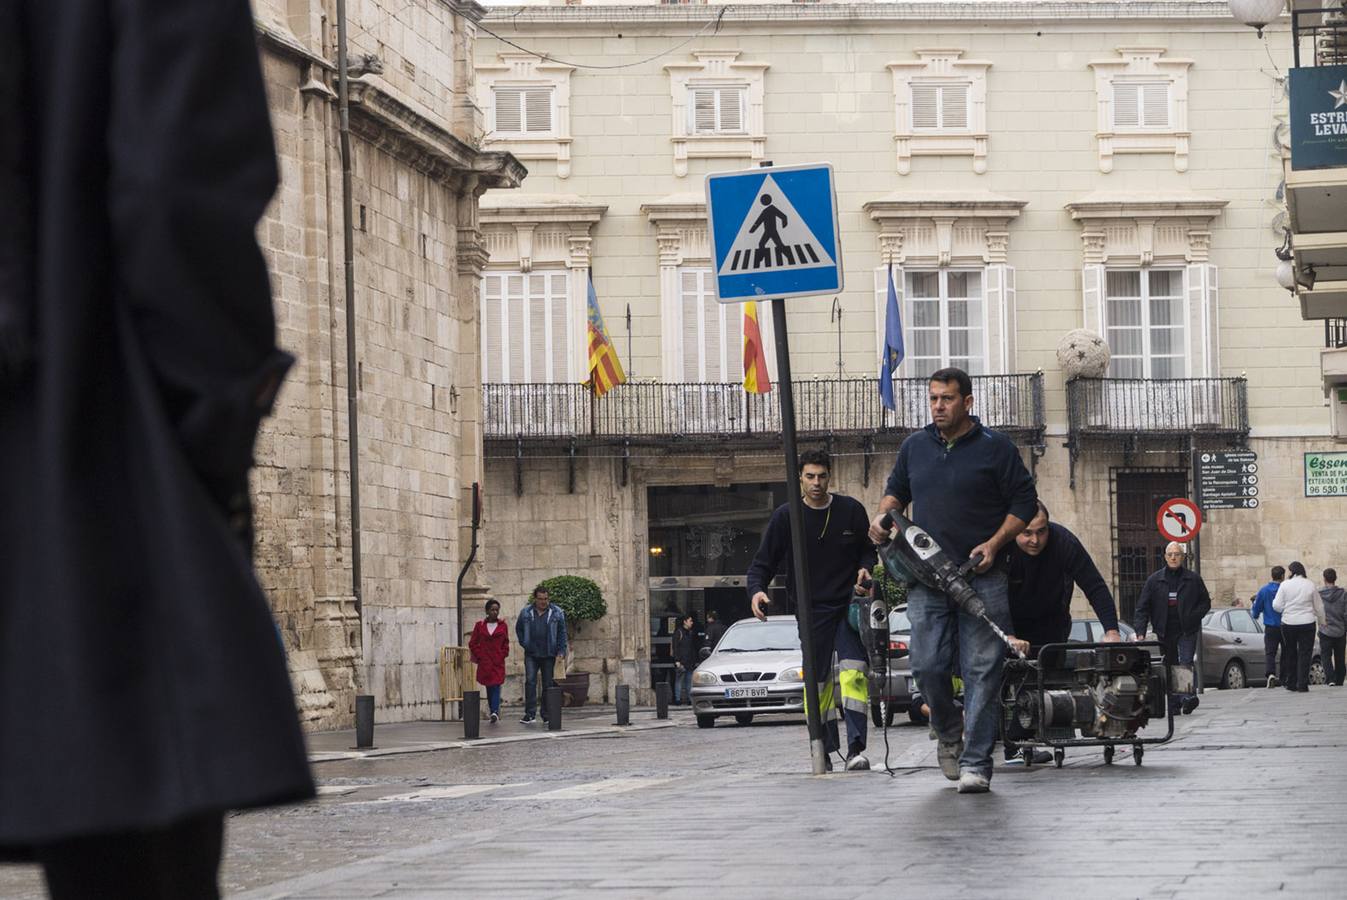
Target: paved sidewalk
x: 423, y: 737
x: 1245, y: 802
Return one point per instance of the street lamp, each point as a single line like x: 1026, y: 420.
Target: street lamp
x: 1286, y: 270
x: 1257, y: 13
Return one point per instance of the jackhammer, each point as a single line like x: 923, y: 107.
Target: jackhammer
x: 913, y: 555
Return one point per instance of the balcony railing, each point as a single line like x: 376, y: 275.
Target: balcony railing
x: 1325, y: 24
x: 643, y: 410
x: 1129, y: 406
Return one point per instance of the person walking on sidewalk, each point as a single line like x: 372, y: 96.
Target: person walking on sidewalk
x: 1333, y: 628
x: 1301, y: 609
x: 715, y: 629
x: 1174, y: 601
x: 541, y: 632
x: 840, y: 555
x: 969, y: 488
x: 489, y: 645
x: 685, y: 648
x: 1272, y: 626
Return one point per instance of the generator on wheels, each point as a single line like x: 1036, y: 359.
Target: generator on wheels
x: 1091, y: 695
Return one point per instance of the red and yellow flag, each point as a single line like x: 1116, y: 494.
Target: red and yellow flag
x: 756, y: 379
x: 605, y: 369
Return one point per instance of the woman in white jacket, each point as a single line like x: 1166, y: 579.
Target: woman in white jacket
x: 1301, y: 610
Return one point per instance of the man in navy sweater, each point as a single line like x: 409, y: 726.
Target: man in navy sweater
x: 970, y: 490
x: 840, y: 555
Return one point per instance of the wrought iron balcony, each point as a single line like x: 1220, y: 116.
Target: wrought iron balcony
x: 664, y: 413
x: 1335, y: 334
x: 1121, y: 414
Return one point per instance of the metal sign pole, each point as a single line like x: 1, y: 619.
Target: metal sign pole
x: 1197, y: 567
x: 800, y: 571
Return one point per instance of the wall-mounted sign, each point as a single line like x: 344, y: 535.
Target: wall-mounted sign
x: 1318, y: 117
x: 1326, y: 474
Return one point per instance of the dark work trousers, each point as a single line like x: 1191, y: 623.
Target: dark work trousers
x: 1179, y: 649
x: 1330, y: 654
x: 1272, y: 642
x: 1298, y: 652
x: 181, y: 860
x: 832, y: 633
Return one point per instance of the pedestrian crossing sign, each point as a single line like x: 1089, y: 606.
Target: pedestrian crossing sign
x: 773, y: 233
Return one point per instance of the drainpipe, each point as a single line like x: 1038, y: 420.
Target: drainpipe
x: 472, y: 555
x: 348, y: 241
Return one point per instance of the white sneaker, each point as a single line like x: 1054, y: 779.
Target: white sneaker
x: 948, y: 753
x: 1272, y: 681
x: 857, y: 763
x: 971, y: 782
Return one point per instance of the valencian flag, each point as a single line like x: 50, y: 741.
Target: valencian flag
x: 893, y: 345
x: 756, y: 379
x: 605, y: 369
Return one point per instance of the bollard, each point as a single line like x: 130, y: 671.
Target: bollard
x: 662, y: 692
x: 364, y: 722
x: 623, y: 704
x: 472, y: 715
x: 554, y: 708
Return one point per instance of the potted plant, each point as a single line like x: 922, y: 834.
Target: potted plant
x: 582, y: 601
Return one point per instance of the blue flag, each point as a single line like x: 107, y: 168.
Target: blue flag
x: 892, y: 355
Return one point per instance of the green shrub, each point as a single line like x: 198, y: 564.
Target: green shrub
x: 579, y: 597
x: 893, y: 591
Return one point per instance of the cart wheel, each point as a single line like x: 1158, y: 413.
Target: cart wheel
x: 1108, y: 756
x: 1059, y: 756
x: 1138, y: 751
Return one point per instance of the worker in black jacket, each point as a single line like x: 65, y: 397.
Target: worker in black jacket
x: 840, y: 553
x: 1044, y: 566
x: 1173, y: 602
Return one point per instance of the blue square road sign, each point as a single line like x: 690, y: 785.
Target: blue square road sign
x: 773, y: 233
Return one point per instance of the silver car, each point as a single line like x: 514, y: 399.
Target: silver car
x: 895, y: 694
x: 1232, y: 650
x: 756, y: 668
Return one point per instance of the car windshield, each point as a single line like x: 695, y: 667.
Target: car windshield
x: 747, y: 637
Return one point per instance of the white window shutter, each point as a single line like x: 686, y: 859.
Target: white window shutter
x: 509, y: 110
x: 734, y: 340
x: 492, y: 346
x: 692, y: 339
x: 562, y: 339
x: 731, y: 109
x: 954, y: 107
x: 1155, y: 105
x: 1092, y: 289
x: 767, y: 328
x: 925, y: 106
x: 1126, y: 105
x: 536, y: 328
x: 712, y: 336
x: 1009, y: 324
x: 703, y: 109
x: 538, y: 110
x: 514, y: 337
x: 1203, y: 330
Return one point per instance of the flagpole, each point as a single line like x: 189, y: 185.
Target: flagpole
x: 631, y: 372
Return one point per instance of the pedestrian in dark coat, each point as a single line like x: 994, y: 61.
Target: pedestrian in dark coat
x: 685, y: 653
x: 142, y: 687
x: 489, y: 645
x: 1173, y: 602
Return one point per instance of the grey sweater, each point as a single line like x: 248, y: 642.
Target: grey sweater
x: 1334, y: 624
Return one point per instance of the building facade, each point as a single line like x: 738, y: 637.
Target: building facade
x: 418, y: 174
x: 1021, y: 169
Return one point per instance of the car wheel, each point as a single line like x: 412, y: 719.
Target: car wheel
x: 706, y: 721
x: 744, y: 718
x: 881, y: 713
x: 1233, y: 676
x: 1317, y: 672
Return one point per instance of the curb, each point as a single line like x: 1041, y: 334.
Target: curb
x: 433, y: 746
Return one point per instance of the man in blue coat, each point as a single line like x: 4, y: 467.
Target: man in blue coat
x: 1272, y: 623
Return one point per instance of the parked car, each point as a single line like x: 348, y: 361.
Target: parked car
x: 895, y: 694
x: 1232, y: 650
x: 756, y: 668
x: 1091, y: 631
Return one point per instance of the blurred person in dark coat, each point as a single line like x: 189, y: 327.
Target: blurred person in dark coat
x: 143, y: 691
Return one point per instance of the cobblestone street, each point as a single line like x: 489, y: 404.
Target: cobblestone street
x: 1242, y: 803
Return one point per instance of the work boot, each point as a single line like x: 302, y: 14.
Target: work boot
x: 857, y: 762
x: 948, y: 753
x: 1189, y: 705
x: 971, y: 782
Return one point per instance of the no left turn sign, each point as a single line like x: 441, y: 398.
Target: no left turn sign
x: 1179, y: 520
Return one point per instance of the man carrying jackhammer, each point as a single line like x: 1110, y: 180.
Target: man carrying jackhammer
x: 1043, y: 566
x: 840, y: 555
x: 970, y: 491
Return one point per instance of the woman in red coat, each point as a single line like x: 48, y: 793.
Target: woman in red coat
x: 489, y: 645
